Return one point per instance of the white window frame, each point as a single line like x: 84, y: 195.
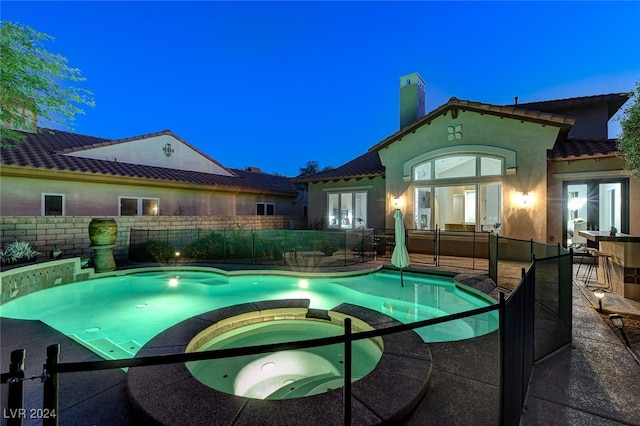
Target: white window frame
x: 139, y: 205
x: 42, y: 203
x: 428, y: 180
x: 351, y: 218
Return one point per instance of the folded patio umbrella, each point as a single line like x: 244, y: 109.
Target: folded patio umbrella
x: 400, y: 257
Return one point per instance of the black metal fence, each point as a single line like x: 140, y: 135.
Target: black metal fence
x: 254, y: 247
x: 53, y: 368
x: 535, y: 321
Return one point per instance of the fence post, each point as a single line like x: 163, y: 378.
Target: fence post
x: 502, y: 345
x: 253, y: 246
x: 15, y: 401
x: 436, y: 241
x: 347, y: 372
x: 473, y: 260
x: 531, y: 249
x: 345, y: 247
x: 51, y: 387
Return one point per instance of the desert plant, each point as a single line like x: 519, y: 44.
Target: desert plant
x: 18, y: 251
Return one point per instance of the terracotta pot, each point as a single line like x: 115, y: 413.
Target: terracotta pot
x: 103, y: 231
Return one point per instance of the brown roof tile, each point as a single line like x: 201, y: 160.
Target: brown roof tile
x: 366, y: 165
x: 47, y: 148
x: 583, y: 148
x: 613, y: 100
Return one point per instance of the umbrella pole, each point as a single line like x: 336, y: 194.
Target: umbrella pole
x: 401, y: 278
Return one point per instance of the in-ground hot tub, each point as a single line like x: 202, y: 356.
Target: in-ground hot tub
x: 283, y: 374
x: 170, y: 394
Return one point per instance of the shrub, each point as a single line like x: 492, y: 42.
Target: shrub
x: 18, y: 251
x: 154, y: 251
x: 209, y: 247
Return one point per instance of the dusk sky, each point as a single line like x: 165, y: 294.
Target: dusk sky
x: 275, y: 85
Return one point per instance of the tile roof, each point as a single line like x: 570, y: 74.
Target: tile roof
x: 613, y: 100
x: 366, y: 165
x: 542, y: 112
x: 583, y: 148
x: 47, y: 148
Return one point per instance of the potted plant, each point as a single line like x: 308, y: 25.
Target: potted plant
x: 84, y: 261
x: 18, y: 252
x: 54, y: 252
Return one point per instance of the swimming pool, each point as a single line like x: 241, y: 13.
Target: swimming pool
x: 115, y: 316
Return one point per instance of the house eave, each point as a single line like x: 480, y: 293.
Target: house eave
x: 67, y: 175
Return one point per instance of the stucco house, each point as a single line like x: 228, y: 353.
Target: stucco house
x: 58, y: 173
x: 525, y: 170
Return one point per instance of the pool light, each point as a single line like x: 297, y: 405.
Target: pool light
x: 303, y: 284
x: 173, y: 282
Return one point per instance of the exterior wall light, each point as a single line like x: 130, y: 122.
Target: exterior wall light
x: 397, y: 202
x: 523, y: 199
x: 177, y: 254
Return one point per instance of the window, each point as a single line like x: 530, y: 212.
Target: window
x: 459, y: 166
x: 265, y: 209
x: 455, y: 167
x: 53, y: 205
x: 347, y: 210
x: 138, y: 206
x: 462, y: 193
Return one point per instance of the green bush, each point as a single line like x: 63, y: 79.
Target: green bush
x: 209, y: 247
x: 158, y: 251
x: 239, y: 244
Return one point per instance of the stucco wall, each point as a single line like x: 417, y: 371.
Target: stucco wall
x: 375, y: 188
x: 95, y: 198
x: 70, y: 233
x: 530, y: 141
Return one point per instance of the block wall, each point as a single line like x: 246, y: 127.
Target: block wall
x: 71, y: 233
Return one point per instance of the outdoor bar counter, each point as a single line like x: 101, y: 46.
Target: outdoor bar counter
x: 624, y: 250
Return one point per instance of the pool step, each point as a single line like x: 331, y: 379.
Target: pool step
x: 108, y: 349
x: 308, y: 385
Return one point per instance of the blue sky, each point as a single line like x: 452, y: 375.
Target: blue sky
x: 277, y: 84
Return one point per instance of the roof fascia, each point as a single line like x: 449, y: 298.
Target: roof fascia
x: 32, y: 172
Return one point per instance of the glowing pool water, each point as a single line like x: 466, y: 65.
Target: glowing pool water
x: 115, y: 316
x: 284, y: 374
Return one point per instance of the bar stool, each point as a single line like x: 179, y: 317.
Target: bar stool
x: 583, y: 253
x: 605, y: 260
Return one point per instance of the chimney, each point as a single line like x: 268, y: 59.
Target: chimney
x: 411, y: 99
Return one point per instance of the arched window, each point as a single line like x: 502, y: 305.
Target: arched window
x: 458, y: 166
x: 458, y: 192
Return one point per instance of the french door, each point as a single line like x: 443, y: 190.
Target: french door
x: 594, y: 205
